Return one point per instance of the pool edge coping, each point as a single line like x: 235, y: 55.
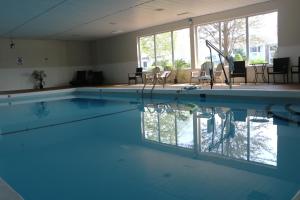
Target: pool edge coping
x: 172, y: 91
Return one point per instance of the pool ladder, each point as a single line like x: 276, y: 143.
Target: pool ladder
x: 152, y: 89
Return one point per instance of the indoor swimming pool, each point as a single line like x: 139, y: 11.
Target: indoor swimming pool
x: 75, y: 146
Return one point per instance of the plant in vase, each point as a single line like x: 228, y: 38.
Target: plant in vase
x: 39, y: 76
x: 179, y: 65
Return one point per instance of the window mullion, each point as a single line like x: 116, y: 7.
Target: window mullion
x: 247, y: 39
x: 155, y: 60
x: 220, y: 36
x: 139, y: 52
x: 172, y: 45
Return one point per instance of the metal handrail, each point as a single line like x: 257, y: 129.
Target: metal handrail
x: 154, y: 84
x: 220, y: 53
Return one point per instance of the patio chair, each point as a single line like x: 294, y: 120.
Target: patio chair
x: 195, y: 74
x: 239, y: 70
x: 280, y: 67
x: 163, y: 76
x: 296, y: 70
x: 204, y: 77
x: 218, y: 73
x: 156, y: 76
x: 205, y: 72
x: 135, y: 76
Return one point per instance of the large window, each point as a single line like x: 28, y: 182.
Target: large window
x: 233, y: 37
x: 165, y: 50
x: 209, y: 32
x: 147, y: 52
x: 182, y: 48
x: 262, y: 37
x: 252, y: 38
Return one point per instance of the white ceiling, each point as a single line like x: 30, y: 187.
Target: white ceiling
x: 90, y: 19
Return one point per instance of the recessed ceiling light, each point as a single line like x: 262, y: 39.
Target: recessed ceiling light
x: 183, y: 13
x: 117, y: 31
x: 159, y: 9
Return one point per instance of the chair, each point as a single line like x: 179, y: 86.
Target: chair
x: 239, y: 70
x: 156, y: 76
x: 135, y: 76
x: 204, y: 77
x: 80, y: 79
x: 95, y: 77
x: 87, y: 78
x: 163, y: 76
x: 280, y: 66
x: 205, y: 72
x: 218, y: 73
x: 296, y: 70
x: 195, y: 74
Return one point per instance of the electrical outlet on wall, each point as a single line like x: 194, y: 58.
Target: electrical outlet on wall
x: 20, y: 60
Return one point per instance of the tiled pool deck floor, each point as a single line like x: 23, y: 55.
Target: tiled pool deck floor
x: 250, y: 86
x: 242, y: 86
x: 7, y: 193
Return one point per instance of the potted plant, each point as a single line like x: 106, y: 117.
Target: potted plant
x: 179, y: 65
x: 38, y: 76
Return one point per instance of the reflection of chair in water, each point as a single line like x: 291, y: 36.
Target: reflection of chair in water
x: 239, y: 115
x: 260, y: 116
x: 204, y: 112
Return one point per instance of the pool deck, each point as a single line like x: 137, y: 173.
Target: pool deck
x: 7, y: 193
x: 250, y: 86
x: 244, y: 90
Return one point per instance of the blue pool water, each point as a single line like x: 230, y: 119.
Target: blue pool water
x: 98, y: 147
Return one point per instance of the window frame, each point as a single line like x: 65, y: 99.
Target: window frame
x: 155, y: 50
x: 246, y: 17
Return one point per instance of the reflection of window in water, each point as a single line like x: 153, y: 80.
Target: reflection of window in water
x: 168, y: 126
x: 237, y: 134
x: 234, y: 133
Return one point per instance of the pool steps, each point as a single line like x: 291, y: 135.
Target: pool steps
x: 7, y: 193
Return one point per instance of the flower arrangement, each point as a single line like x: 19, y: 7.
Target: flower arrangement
x: 39, y: 76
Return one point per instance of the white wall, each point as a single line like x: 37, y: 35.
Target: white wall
x: 20, y: 78
x: 59, y: 59
x: 114, y: 54
x: 115, y: 73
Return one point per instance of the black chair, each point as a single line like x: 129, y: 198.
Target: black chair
x: 95, y: 78
x: 296, y: 70
x: 280, y: 67
x: 87, y: 78
x: 80, y: 79
x: 239, y: 70
x: 135, y: 76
